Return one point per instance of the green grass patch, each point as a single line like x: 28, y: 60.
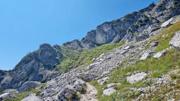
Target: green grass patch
x: 87, y: 56
x: 69, y: 59
x: 165, y: 36
x: 74, y: 59
x: 24, y: 94
x: 154, y: 67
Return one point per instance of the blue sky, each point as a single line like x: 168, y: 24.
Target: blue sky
x: 25, y: 24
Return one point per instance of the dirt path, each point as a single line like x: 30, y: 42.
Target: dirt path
x: 90, y: 94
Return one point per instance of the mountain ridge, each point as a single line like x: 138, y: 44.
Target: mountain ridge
x: 148, y: 18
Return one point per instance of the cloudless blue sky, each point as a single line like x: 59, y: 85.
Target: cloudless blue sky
x: 25, y: 24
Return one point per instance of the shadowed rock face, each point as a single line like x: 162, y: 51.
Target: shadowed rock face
x: 134, y: 26
x: 36, y: 66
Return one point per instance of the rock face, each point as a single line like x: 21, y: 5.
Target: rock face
x: 75, y: 45
x: 135, y: 26
x: 175, y: 41
x: 36, y: 66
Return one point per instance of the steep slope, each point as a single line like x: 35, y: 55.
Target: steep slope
x: 151, y: 79
x: 126, y: 63
x: 122, y: 74
x: 91, y: 63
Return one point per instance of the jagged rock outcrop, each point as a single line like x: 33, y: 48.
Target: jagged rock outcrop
x: 36, y: 66
x: 135, y: 26
x: 75, y: 45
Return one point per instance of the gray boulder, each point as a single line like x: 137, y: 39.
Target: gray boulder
x: 8, y: 94
x: 146, y: 55
x: 136, y: 77
x: 32, y: 97
x: 167, y: 23
x: 175, y: 41
x: 11, y: 91
x: 113, y: 85
x: 154, y: 44
x: 70, y: 91
x: 5, y: 96
x: 160, y: 54
x: 103, y: 80
x: 109, y: 91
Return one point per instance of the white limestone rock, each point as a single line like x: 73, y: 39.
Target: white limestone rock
x: 136, y: 77
x: 146, y: 55
x: 154, y: 44
x: 109, y: 91
x: 113, y: 85
x: 167, y: 23
x: 160, y: 54
x: 102, y: 80
x: 175, y: 41
x: 32, y: 97
x: 5, y: 96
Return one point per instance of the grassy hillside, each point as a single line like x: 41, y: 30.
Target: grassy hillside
x: 74, y: 59
x: 154, y: 67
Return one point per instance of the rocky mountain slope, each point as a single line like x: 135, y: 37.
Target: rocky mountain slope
x: 133, y: 58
